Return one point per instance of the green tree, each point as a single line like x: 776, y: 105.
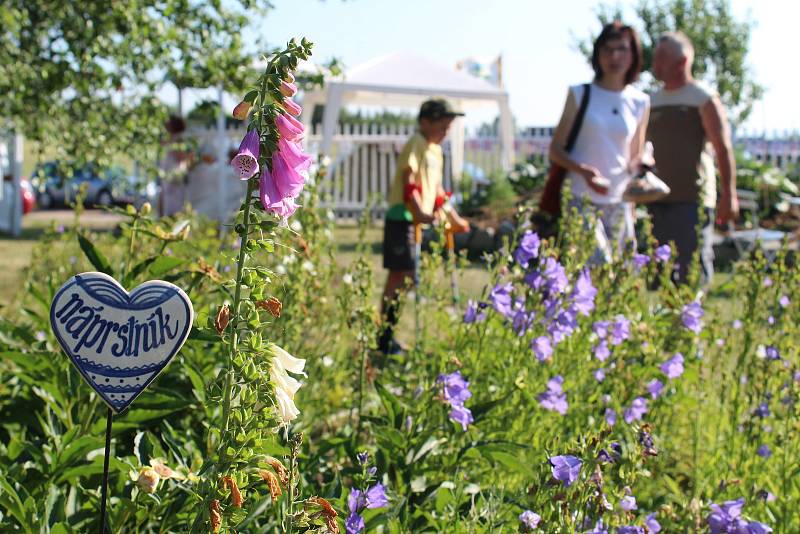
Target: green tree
x: 81, y: 77
x: 720, y: 41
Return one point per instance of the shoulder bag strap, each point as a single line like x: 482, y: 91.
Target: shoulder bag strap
x: 576, y: 126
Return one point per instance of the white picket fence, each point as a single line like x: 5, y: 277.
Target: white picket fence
x: 363, y: 163
x: 364, y: 158
x: 780, y: 152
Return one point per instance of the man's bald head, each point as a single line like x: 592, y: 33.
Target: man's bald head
x: 673, y: 57
x: 678, y: 45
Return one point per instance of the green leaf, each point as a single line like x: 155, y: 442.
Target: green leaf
x: 77, y: 449
x: 198, y: 384
x: 95, y: 467
x: 250, y: 96
x: 506, y: 455
x: 138, y: 269
x: 60, y: 528
x: 94, y: 256
x: 390, y: 402
x: 428, y: 447
x: 164, y: 264
x: 203, y: 334
x: 10, y: 501
x: 480, y: 411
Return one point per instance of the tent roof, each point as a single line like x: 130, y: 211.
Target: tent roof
x: 405, y: 79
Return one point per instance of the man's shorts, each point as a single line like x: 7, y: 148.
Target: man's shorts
x: 398, y: 246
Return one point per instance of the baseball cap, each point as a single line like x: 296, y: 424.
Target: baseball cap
x: 437, y: 108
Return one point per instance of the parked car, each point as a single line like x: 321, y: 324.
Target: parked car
x: 131, y: 189
x: 26, y: 193
x: 54, y: 187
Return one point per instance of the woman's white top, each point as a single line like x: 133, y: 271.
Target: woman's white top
x: 604, y: 140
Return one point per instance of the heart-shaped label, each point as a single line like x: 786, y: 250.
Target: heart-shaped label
x: 120, y: 341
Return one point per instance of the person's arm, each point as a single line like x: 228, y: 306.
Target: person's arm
x: 559, y: 155
x: 718, y: 132
x: 458, y: 223
x: 638, y: 142
x: 414, y: 203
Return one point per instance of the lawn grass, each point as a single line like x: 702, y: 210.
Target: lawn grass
x: 15, y: 252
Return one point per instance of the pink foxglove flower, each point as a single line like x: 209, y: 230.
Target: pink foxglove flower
x: 288, y: 179
x: 290, y: 128
x: 294, y: 155
x: 288, y: 89
x: 291, y: 107
x: 272, y: 200
x: 246, y: 160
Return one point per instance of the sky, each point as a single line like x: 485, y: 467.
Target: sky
x: 535, y: 37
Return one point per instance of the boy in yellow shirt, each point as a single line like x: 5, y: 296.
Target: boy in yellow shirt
x: 414, y: 199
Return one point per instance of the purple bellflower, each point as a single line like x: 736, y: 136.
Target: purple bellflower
x: 566, y: 468
x: 528, y: 249
x: 636, y: 411
x: 653, y: 526
x: 530, y: 520
x: 692, y: 316
x: 583, y: 294
x: 655, y: 387
x: 554, y: 398
x: 500, y: 297
x: 542, y: 348
x: 673, y: 367
x: 662, y: 253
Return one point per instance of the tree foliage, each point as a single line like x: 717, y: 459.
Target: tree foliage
x: 81, y: 77
x: 720, y: 41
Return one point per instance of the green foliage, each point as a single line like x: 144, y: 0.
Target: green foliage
x: 80, y: 77
x: 528, y: 176
x: 498, y: 198
x: 439, y: 478
x: 769, y: 182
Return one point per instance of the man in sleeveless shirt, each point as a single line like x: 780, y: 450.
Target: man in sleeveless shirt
x: 686, y: 120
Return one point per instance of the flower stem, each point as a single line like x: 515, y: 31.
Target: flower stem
x: 226, y: 403
x: 292, y: 464
x: 130, y: 245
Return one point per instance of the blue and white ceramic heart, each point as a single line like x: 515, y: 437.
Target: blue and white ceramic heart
x: 120, y: 341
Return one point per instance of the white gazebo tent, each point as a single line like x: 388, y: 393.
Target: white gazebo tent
x: 405, y: 80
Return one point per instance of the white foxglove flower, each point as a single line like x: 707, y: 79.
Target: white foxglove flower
x: 286, y: 386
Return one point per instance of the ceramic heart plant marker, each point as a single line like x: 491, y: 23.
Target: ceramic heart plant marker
x: 120, y: 341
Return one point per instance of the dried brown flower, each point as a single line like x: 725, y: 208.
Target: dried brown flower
x: 208, y: 270
x: 272, y: 483
x: 283, y: 474
x: 333, y: 527
x: 328, y: 512
x: 214, y: 515
x: 222, y: 320
x: 327, y: 509
x: 272, y: 305
x: 236, y: 495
